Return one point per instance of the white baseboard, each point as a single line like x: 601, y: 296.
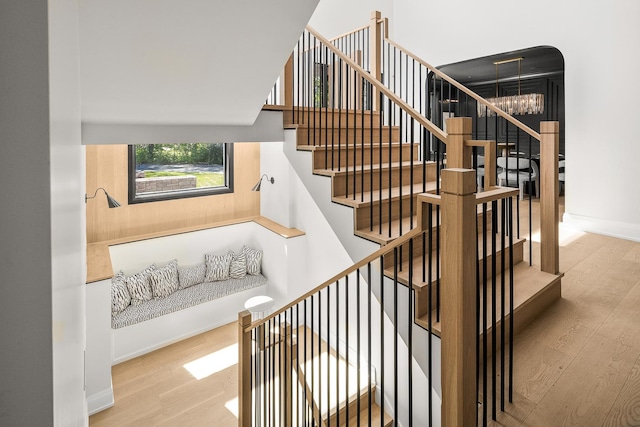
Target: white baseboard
x: 622, y: 230
x: 100, y: 401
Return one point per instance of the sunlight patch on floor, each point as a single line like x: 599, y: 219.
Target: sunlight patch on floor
x: 232, y: 406
x: 567, y: 235
x: 214, y: 362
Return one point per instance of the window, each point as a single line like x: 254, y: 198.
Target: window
x: 174, y: 171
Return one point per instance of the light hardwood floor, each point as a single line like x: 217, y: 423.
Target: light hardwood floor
x: 576, y: 365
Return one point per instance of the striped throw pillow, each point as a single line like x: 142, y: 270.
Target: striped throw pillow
x: 254, y: 260
x: 164, y: 281
x: 138, y: 286
x: 120, y: 297
x: 217, y: 267
x: 238, y: 267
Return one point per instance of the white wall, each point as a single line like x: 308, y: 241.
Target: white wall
x: 601, y: 98
x: 41, y: 256
x: 335, y: 17
x: 187, y: 61
x: 287, y: 201
x: 68, y: 240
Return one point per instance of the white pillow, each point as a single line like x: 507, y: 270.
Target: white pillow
x: 217, y: 267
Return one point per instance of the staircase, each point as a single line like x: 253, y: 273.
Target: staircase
x: 371, y: 171
x: 383, y: 165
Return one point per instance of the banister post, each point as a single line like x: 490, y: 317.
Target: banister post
x: 375, y: 54
x: 245, y: 402
x: 458, y: 153
x: 459, y: 333
x: 287, y: 83
x: 549, y: 197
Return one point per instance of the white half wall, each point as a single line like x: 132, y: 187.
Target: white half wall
x: 602, y: 143
x: 184, y: 61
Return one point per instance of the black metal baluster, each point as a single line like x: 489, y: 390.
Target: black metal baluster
x: 510, y: 301
x: 358, y: 340
x: 381, y: 338
x: 438, y: 263
x: 502, y: 298
x: 369, y: 296
x: 328, y: 311
x: 410, y: 333
x: 340, y: 116
x: 484, y: 314
x: 395, y: 330
x: 390, y: 157
x: 346, y: 337
x: 494, y: 208
x: 312, y: 359
x: 430, y: 313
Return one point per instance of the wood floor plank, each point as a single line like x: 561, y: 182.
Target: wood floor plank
x: 589, y: 386
x: 626, y: 409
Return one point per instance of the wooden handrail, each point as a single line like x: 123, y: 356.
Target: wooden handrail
x: 377, y: 254
x: 435, y: 130
x: 364, y: 27
x: 468, y: 91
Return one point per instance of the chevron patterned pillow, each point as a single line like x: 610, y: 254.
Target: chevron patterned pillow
x: 191, y: 275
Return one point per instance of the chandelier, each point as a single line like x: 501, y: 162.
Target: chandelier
x: 530, y: 103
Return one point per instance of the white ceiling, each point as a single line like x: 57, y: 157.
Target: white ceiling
x: 184, y: 61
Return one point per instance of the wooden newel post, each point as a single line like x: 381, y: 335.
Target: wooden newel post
x: 245, y: 402
x: 459, y: 406
x: 287, y: 83
x: 375, y: 55
x: 458, y: 153
x: 549, y: 197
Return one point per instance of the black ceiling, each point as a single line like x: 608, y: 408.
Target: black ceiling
x: 537, y: 61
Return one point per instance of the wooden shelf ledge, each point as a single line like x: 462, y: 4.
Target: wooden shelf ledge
x: 99, y: 258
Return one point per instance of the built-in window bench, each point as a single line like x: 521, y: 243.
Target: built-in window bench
x: 187, y: 312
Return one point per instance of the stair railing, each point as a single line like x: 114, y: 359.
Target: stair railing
x: 334, y: 99
x: 346, y: 351
x: 437, y: 96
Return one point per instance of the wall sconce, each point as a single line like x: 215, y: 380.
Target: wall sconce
x: 113, y: 203
x: 259, y: 183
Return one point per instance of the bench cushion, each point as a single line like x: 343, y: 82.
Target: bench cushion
x: 184, y: 298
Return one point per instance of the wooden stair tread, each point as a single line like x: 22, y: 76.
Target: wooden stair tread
x: 380, y: 232
x: 368, y: 168
x: 532, y: 288
x: 351, y: 146
x: 375, y: 417
x: 368, y: 197
x: 403, y: 273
